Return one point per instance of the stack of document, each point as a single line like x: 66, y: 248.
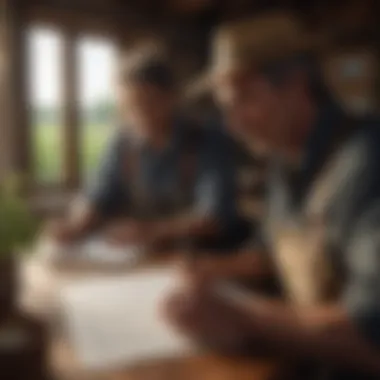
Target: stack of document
x: 117, y: 321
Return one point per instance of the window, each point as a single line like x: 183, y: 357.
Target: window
x: 45, y: 96
x: 96, y: 69
x: 71, y: 103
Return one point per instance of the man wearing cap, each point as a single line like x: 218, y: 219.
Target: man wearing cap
x: 323, y: 207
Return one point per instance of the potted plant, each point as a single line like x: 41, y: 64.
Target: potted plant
x: 17, y: 229
x: 22, y: 338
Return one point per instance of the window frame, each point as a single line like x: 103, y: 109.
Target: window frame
x: 71, y: 35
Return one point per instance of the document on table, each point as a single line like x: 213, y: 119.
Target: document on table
x: 94, y: 250
x: 117, y: 321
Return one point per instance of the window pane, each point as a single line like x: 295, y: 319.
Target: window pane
x: 45, y: 83
x: 97, y: 58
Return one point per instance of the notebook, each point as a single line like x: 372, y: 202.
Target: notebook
x: 117, y: 321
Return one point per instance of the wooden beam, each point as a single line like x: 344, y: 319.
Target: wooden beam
x: 189, y: 6
x: 15, y: 129
x: 4, y: 94
x: 72, y: 19
x: 70, y: 112
x: 112, y: 22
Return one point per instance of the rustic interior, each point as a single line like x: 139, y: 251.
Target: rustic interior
x: 183, y: 27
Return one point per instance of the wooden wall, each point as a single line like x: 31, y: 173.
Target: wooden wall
x: 185, y: 32
x: 4, y: 140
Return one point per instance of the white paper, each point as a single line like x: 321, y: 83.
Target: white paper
x: 100, y: 250
x: 93, y: 250
x: 117, y: 321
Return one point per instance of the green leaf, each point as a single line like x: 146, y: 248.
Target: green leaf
x: 17, y: 225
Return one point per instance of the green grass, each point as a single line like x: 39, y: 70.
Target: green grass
x: 48, y: 150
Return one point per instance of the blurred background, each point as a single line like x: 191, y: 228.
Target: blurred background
x: 58, y: 59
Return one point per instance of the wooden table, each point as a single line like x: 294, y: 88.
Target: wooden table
x: 202, y: 367
x: 198, y: 367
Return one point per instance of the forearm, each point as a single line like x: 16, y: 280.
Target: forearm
x: 184, y: 227
x: 323, y: 333
x: 252, y: 264
x: 83, y: 217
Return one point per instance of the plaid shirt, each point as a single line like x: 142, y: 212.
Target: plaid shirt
x: 353, y: 212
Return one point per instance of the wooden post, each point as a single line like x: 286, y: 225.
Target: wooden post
x: 4, y: 125
x: 70, y: 112
x: 15, y: 146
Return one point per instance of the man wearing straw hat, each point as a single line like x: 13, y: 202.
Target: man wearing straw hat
x: 323, y: 208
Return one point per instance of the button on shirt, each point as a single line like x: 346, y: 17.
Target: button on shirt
x: 210, y: 192
x: 353, y: 212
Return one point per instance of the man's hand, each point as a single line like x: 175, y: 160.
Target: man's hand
x: 237, y: 265
x: 201, y: 271
x: 208, y: 319
x: 61, y: 231
x: 129, y: 232
x: 81, y: 219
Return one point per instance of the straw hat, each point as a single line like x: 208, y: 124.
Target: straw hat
x: 239, y: 45
x: 258, y: 40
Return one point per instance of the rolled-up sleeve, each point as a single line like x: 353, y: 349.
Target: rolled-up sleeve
x: 215, y: 192
x: 362, y: 294
x: 105, y: 192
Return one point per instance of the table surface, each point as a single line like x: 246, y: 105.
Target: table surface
x: 202, y: 367
x: 199, y: 367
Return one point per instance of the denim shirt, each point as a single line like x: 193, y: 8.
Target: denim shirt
x: 212, y: 192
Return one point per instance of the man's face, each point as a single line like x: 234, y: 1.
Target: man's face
x: 145, y: 108
x: 256, y: 110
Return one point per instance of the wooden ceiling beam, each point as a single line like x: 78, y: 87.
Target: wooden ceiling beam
x: 114, y: 23
x: 190, y: 6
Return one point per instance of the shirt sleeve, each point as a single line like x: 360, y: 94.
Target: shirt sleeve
x: 362, y: 295
x: 215, y: 192
x: 105, y: 192
x: 355, y: 222
x: 355, y: 176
